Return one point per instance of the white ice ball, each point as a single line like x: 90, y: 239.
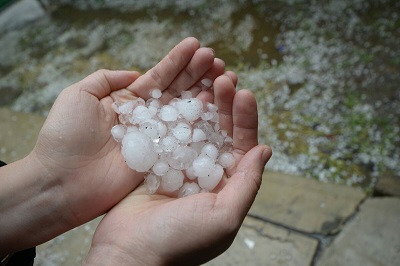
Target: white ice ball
x: 138, y: 151
x: 188, y: 189
x: 209, y: 182
x: 169, y: 143
x: 203, y: 166
x: 198, y: 135
x: 168, y: 113
x: 226, y: 160
x: 190, y: 109
x: 118, y: 132
x: 182, y: 157
x: 210, y: 150
x: 152, y: 183
x: 172, y: 180
x: 160, y: 168
x: 182, y: 132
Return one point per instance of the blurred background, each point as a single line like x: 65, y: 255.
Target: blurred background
x: 325, y: 73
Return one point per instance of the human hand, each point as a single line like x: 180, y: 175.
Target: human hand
x: 75, y: 145
x: 157, y: 229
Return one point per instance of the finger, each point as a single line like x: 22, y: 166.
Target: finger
x: 232, y: 76
x: 167, y: 69
x: 239, y: 193
x: 207, y: 80
x: 201, y: 62
x: 245, y: 122
x: 224, y: 91
x: 102, y: 82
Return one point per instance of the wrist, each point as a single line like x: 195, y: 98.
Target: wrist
x: 30, y: 205
x: 102, y: 255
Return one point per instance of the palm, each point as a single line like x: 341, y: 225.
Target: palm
x: 192, y: 225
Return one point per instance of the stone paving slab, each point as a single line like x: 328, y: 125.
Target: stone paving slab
x: 305, y: 204
x: 388, y: 185
x: 260, y: 243
x: 18, y: 134
x: 371, y: 238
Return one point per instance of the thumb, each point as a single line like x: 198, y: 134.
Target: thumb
x: 241, y: 189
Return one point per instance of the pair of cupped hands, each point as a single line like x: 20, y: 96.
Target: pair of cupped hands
x: 84, y: 163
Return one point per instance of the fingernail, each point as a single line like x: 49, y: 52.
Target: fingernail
x: 212, y: 50
x: 207, y: 82
x: 266, y: 154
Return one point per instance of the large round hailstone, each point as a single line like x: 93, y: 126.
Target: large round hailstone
x: 209, y: 182
x: 138, y: 151
x: 190, y: 109
x: 172, y: 180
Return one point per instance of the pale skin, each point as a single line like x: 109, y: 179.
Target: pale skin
x: 76, y: 171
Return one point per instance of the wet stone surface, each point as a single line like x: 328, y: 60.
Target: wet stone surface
x: 305, y: 204
x: 371, y: 238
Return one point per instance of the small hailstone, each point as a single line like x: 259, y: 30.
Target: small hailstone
x: 210, y: 150
x: 153, y: 110
x: 150, y: 128
x: 169, y: 143
x: 210, y: 181
x: 140, y: 113
x: 172, y: 180
x: 152, y: 183
x: 126, y: 108
x: 203, y: 166
x: 138, y: 151
x: 226, y: 160
x: 153, y: 102
x: 190, y: 173
x: 207, y: 116
x: 228, y: 140
x: 182, y: 132
x: 198, y: 135
x: 207, y: 82
x: 168, y: 113
x: 160, y: 168
x: 155, y: 93
x: 162, y: 129
x: 190, y: 109
x: 182, y: 158
x: 212, y: 107
x: 188, y: 189
x: 118, y: 132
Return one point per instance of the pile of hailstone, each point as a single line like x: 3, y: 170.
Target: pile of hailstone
x: 179, y: 146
